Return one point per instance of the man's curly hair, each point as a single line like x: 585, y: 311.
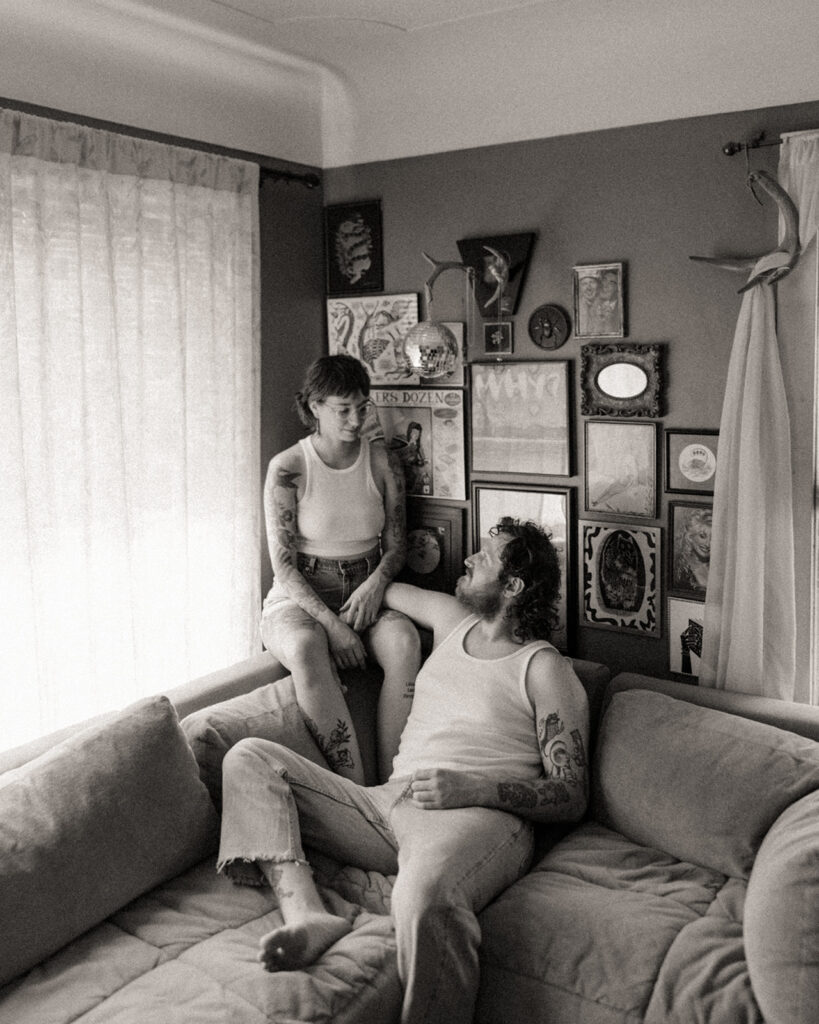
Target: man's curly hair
x: 530, y: 555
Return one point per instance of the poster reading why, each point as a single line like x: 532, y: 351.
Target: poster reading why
x: 425, y: 428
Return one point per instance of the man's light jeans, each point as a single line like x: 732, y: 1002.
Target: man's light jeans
x: 450, y: 863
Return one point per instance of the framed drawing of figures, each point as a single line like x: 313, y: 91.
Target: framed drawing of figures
x: 373, y: 330
x: 685, y: 631
x: 425, y: 428
x: 599, y: 305
x: 520, y: 418
x: 620, y: 577
x: 689, y: 531
x: 621, y: 468
x: 435, y: 546
x: 550, y: 507
x: 354, y: 248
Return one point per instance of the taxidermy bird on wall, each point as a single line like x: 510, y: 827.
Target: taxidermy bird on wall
x: 774, y: 265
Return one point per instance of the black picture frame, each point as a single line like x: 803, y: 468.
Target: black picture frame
x: 689, y: 548
x: 690, y: 460
x: 495, y: 299
x: 498, y: 338
x: 354, y: 248
x: 628, y: 362
x: 435, y: 545
x: 599, y: 294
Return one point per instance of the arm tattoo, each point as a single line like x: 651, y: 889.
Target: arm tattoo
x: 522, y: 796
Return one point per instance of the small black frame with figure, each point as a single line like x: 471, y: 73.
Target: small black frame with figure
x: 689, y: 548
x: 435, y: 546
x: 354, y: 245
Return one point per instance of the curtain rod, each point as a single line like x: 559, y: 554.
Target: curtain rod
x: 309, y: 180
x: 732, y: 148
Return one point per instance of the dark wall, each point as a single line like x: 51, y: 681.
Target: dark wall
x: 649, y: 196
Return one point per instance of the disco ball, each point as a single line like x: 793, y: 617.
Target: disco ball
x: 431, y: 349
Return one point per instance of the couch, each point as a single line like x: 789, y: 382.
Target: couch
x: 689, y: 893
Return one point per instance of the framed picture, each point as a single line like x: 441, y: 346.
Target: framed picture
x: 373, y: 329
x: 620, y: 580
x: 520, y: 418
x: 689, y: 547
x: 500, y: 263
x: 354, y: 241
x: 621, y: 380
x: 690, y: 461
x: 599, y: 303
x: 498, y: 338
x: 685, y: 632
x: 621, y: 468
x: 425, y: 428
x: 435, y: 546
x: 550, y: 507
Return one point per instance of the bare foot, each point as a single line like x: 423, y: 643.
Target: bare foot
x: 295, y: 946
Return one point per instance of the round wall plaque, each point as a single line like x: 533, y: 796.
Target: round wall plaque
x: 549, y: 326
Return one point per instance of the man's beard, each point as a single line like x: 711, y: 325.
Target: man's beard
x: 485, y: 602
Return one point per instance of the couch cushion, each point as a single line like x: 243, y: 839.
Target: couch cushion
x: 97, y: 820
x: 700, y: 784
x: 782, y: 917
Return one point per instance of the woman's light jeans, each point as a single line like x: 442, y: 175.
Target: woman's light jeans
x: 450, y: 863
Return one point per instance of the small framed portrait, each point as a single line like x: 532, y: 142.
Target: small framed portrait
x: 599, y: 300
x: 620, y: 580
x: 621, y: 468
x: 690, y: 461
x: 550, y: 507
x: 689, y: 547
x: 354, y: 248
x: 685, y: 632
x: 520, y: 418
x: 435, y: 546
x: 621, y: 380
x: 498, y: 338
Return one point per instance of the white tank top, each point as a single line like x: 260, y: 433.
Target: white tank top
x: 341, y: 513
x: 472, y: 713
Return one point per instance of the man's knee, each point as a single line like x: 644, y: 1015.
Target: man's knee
x: 396, y: 640
x: 251, y: 754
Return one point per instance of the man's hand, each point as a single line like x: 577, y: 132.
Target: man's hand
x: 361, y: 608
x: 346, y: 648
x: 437, y: 789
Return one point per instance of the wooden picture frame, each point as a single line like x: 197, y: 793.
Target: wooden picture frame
x: 435, y: 545
x: 550, y: 507
x: 498, y: 338
x: 690, y: 460
x: 373, y: 329
x: 599, y: 300
x: 520, y: 418
x: 496, y: 297
x: 685, y: 634
x: 620, y: 469
x: 620, y: 577
x: 621, y: 380
x: 354, y: 248
x: 689, y: 548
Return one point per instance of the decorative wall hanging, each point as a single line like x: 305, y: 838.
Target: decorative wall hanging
x: 454, y: 375
x: 425, y: 428
x: 430, y: 347
x: 552, y: 508
x: 373, y: 330
x: 498, y: 338
x: 354, y: 248
x: 621, y: 380
x: 599, y: 303
x: 685, y: 632
x: 520, y: 418
x: 621, y: 468
x: 500, y: 263
x: 549, y: 326
x: 689, y: 546
x: 690, y: 461
x: 620, y: 577
x: 435, y: 546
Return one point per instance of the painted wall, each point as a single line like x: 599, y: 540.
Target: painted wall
x: 650, y: 196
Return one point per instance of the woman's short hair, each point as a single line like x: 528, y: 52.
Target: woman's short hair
x: 330, y: 377
x: 530, y: 556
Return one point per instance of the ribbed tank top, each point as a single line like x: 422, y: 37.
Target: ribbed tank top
x: 472, y: 713
x: 341, y: 513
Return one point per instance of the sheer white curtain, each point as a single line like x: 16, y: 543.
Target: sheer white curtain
x: 129, y: 397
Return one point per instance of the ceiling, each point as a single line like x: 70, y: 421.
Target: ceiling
x: 332, y: 82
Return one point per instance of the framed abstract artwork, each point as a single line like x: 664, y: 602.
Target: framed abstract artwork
x: 599, y: 301
x: 621, y: 468
x: 685, y: 633
x: 620, y: 577
x: 435, y: 545
x: 520, y: 418
x: 690, y: 461
x: 689, y: 548
x: 373, y: 330
x: 353, y: 240
x: 550, y: 507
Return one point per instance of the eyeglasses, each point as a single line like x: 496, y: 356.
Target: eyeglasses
x: 344, y: 410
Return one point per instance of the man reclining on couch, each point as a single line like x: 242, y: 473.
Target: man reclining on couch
x: 495, y: 741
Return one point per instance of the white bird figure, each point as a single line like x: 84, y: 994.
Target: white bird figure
x: 498, y: 270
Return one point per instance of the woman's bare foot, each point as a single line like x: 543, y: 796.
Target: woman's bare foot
x: 295, y: 946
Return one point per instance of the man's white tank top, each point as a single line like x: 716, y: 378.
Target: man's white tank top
x: 471, y: 713
x: 341, y: 512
